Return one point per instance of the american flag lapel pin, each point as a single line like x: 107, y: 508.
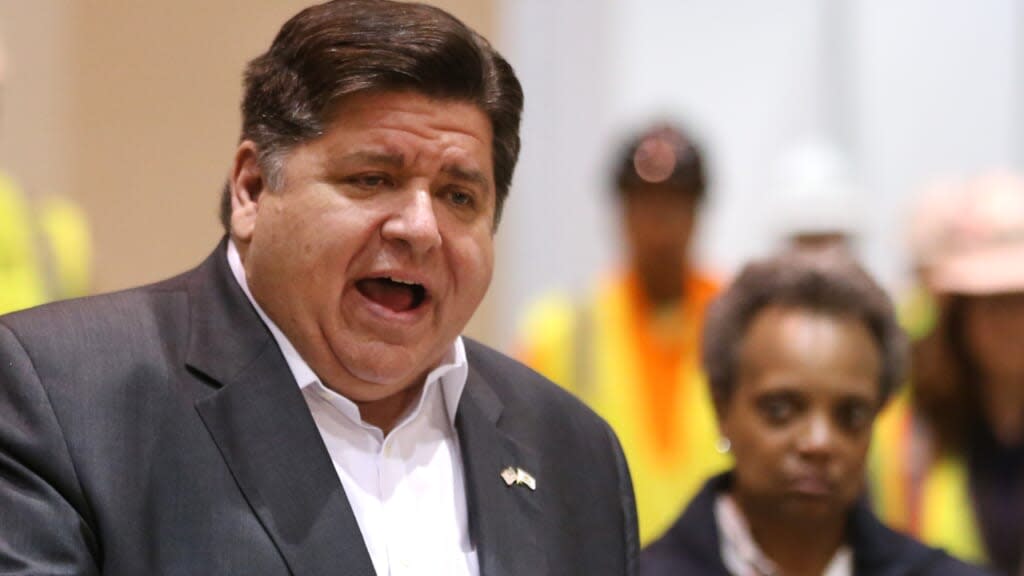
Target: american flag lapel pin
x: 509, y: 476
x: 523, y: 477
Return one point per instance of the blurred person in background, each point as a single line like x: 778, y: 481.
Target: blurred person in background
x: 930, y: 216
x: 801, y: 352
x: 21, y: 277
x: 45, y: 249
x: 931, y: 213
x: 630, y: 349
x: 952, y: 472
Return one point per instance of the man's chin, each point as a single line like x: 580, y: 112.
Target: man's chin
x: 374, y: 381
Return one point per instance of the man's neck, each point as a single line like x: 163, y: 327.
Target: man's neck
x: 387, y: 412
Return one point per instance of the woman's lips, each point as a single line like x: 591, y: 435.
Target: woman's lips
x: 813, y: 486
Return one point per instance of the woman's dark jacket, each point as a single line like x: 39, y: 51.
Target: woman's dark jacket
x: 691, y: 546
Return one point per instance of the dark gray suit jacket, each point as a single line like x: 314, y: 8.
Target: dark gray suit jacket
x: 159, y: 431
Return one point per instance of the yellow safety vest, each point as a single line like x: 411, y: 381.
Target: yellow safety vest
x: 595, y: 351
x: 925, y: 495
x: 45, y: 253
x: 917, y: 312
x: 65, y: 231
x: 21, y: 279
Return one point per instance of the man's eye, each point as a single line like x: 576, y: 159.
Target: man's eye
x: 460, y: 198
x: 371, y: 180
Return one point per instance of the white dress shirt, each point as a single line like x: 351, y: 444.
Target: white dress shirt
x: 406, y: 489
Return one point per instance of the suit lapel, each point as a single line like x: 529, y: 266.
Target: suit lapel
x: 504, y: 520
x: 263, y: 429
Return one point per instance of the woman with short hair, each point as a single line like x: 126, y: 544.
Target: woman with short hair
x: 801, y: 352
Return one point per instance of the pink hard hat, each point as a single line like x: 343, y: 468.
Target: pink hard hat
x: 982, y: 249
x: 932, y: 212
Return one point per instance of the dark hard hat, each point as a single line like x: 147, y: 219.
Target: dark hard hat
x: 663, y: 156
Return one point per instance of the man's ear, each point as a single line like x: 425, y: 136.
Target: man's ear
x: 248, y: 182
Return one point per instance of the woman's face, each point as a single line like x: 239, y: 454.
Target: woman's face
x: 800, y: 417
x: 994, y: 330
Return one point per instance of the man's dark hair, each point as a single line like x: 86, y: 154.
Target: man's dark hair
x: 343, y: 47
x: 662, y: 155
x: 822, y: 280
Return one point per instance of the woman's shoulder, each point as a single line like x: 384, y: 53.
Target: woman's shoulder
x: 691, y: 545
x: 880, y: 550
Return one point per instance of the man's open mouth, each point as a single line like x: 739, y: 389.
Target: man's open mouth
x: 394, y: 295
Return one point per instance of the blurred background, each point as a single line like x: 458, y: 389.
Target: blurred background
x: 129, y: 108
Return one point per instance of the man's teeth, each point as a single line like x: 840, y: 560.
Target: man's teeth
x: 398, y: 281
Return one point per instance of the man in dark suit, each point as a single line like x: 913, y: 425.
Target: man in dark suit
x: 302, y: 401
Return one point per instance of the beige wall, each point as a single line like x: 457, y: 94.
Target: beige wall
x: 35, y: 139
x: 131, y: 107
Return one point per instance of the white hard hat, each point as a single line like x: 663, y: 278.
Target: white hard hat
x: 813, y: 193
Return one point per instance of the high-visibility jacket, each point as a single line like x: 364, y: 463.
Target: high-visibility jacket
x: 642, y: 374
x: 45, y: 250
x: 21, y: 278
x: 918, y: 312
x: 65, y: 232
x: 918, y: 491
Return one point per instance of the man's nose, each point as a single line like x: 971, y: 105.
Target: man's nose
x: 414, y: 222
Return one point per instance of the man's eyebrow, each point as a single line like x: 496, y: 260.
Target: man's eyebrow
x: 468, y: 175
x: 393, y: 159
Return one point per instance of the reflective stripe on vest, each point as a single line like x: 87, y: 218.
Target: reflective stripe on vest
x: 947, y: 512
x: 933, y: 505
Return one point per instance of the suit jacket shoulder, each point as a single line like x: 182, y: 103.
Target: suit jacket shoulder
x: 107, y: 464
x: 581, y: 516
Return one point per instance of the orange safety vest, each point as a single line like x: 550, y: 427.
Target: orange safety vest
x: 923, y: 494
x: 643, y: 376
